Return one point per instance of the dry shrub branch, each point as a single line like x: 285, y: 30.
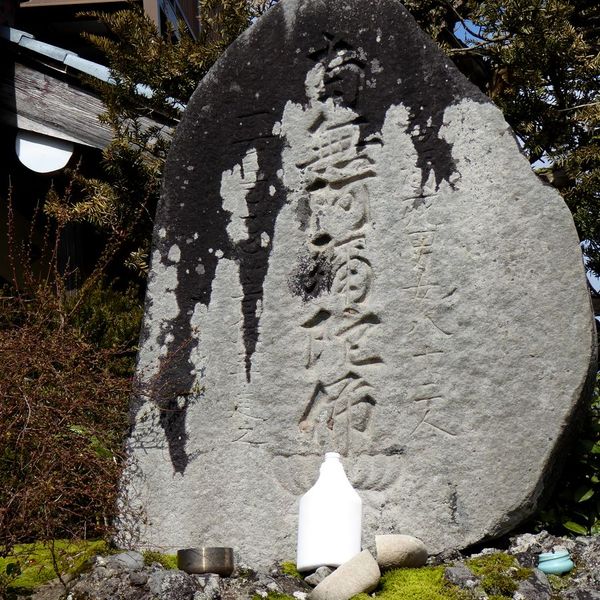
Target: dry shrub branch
x: 63, y: 402
x: 62, y: 415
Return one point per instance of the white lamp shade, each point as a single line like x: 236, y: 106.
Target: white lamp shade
x: 41, y: 153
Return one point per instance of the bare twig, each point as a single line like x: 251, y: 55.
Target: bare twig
x: 479, y: 45
x: 27, y: 418
x: 588, y: 104
x: 55, y: 565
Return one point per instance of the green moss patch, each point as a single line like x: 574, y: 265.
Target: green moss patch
x: 500, y: 574
x: 559, y: 583
x: 425, y: 583
x: 168, y: 561
x: 31, y: 565
x: 289, y: 568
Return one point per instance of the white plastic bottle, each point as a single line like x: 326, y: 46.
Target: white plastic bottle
x: 330, y: 519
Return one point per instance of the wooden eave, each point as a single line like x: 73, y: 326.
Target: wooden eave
x: 39, y: 3
x: 37, y: 98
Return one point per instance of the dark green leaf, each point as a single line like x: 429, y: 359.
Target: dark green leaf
x: 575, y: 527
x: 583, y: 494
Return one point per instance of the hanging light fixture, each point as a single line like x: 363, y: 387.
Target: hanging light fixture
x: 41, y: 153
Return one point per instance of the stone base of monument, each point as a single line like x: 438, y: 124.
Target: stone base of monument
x: 124, y: 576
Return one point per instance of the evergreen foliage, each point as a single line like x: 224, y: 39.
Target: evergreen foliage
x: 121, y: 204
x: 539, y: 61
x: 171, y: 65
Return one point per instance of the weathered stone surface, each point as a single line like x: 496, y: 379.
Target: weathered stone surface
x: 211, y: 588
x: 527, y: 547
x: 54, y: 590
x: 359, y: 574
x: 582, y: 594
x: 318, y: 576
x: 130, y: 560
x: 351, y: 254
x: 175, y: 584
x: 154, y: 582
x: 138, y: 578
x: 394, y: 551
x: 536, y: 587
x: 461, y: 576
x: 211, y: 584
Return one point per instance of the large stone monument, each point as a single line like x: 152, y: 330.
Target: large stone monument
x: 351, y: 255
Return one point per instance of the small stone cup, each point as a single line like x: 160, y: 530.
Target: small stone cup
x: 203, y: 560
x: 555, y: 563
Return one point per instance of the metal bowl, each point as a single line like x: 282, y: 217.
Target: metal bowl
x: 206, y: 560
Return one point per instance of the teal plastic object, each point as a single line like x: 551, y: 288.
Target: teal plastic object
x: 555, y: 563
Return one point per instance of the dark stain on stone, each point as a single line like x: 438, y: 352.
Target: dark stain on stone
x: 453, y: 504
x: 312, y: 276
x: 394, y: 450
x: 303, y: 212
x: 172, y: 420
x: 253, y: 259
x: 434, y: 153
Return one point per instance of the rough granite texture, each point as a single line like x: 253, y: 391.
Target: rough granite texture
x: 350, y: 255
x: 395, y: 551
x: 359, y: 574
x: 319, y: 575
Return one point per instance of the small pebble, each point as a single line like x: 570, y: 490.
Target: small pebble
x: 138, y: 578
x: 394, y: 551
x: 318, y: 576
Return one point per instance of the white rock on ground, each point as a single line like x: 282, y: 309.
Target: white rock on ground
x: 395, y: 551
x: 359, y: 574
